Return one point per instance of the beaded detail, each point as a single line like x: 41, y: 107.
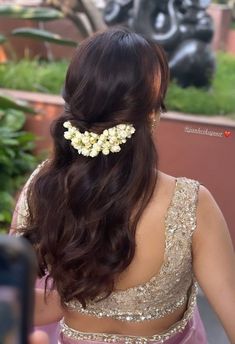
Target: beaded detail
x: 168, y: 290
x: 22, y: 205
x: 117, y: 338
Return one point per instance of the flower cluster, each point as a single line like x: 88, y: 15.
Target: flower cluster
x: 91, y: 144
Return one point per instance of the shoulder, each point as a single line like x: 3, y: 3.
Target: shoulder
x: 21, y: 210
x: 189, y: 186
x: 211, y: 224
x: 165, y: 180
x: 208, y: 211
x: 185, y: 185
x: 168, y: 179
x: 37, y: 170
x: 32, y: 177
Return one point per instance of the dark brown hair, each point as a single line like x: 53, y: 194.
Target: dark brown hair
x: 83, y: 211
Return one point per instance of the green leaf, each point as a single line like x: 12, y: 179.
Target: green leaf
x: 7, y: 102
x: 33, y: 13
x: 5, y: 216
x: 27, y: 140
x: 10, y: 152
x: 2, y: 39
x: 11, y: 142
x: 13, y: 119
x: 6, y: 162
x: 5, y: 179
x: 6, y: 200
x: 43, y: 35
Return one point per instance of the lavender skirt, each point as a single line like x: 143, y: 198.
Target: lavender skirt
x: 194, y: 333
x: 53, y: 329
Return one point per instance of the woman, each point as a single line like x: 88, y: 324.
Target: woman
x: 122, y: 244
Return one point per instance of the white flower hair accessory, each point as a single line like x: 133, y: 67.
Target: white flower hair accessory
x: 91, y: 144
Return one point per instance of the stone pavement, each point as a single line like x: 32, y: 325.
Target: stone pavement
x: 215, y: 332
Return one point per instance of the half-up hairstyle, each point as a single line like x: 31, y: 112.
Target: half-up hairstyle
x: 83, y: 211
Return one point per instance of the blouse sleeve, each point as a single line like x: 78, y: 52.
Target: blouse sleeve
x: 21, y: 210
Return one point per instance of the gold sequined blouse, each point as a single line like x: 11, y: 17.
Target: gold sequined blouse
x: 172, y: 287
x: 168, y: 290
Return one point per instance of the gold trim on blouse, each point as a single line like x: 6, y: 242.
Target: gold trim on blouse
x: 179, y: 326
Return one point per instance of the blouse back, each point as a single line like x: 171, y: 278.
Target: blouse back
x: 174, y: 284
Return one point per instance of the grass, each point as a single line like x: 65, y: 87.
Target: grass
x: 33, y: 75
x: 49, y: 77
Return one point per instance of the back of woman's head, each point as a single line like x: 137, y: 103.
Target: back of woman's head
x: 84, y: 210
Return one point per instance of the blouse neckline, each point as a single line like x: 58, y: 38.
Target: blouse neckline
x: 164, y: 263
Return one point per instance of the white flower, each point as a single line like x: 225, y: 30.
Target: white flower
x: 115, y: 149
x: 106, y: 145
x: 122, y: 126
x: 96, y: 146
x: 94, y: 153
x: 106, y: 133
x: 67, y: 125
x: 91, y: 144
x: 75, y: 140
x: 78, y: 135
x: 68, y: 135
x: 85, y: 152
x: 76, y: 146
x: 85, y: 140
x: 94, y: 135
x: 112, y: 140
x: 123, y: 134
x: 102, y: 138
x: 105, y: 151
x: 92, y: 140
x: 112, y: 131
x: 73, y: 130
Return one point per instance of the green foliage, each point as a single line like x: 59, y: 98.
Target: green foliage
x: 33, y: 13
x: 42, y: 35
x: 16, y: 158
x: 9, y: 103
x: 33, y: 76
x: 37, y: 14
x: 218, y: 100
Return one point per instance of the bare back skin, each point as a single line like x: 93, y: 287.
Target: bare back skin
x: 149, y: 256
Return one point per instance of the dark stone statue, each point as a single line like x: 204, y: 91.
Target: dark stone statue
x: 182, y: 27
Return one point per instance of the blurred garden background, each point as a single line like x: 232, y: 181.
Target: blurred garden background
x: 37, y: 40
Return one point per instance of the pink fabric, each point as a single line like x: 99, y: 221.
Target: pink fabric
x: 194, y: 333
x: 53, y: 329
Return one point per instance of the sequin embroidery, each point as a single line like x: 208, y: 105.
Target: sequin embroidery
x: 117, y: 338
x: 168, y: 290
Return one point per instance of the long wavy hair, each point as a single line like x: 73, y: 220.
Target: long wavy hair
x: 83, y: 211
